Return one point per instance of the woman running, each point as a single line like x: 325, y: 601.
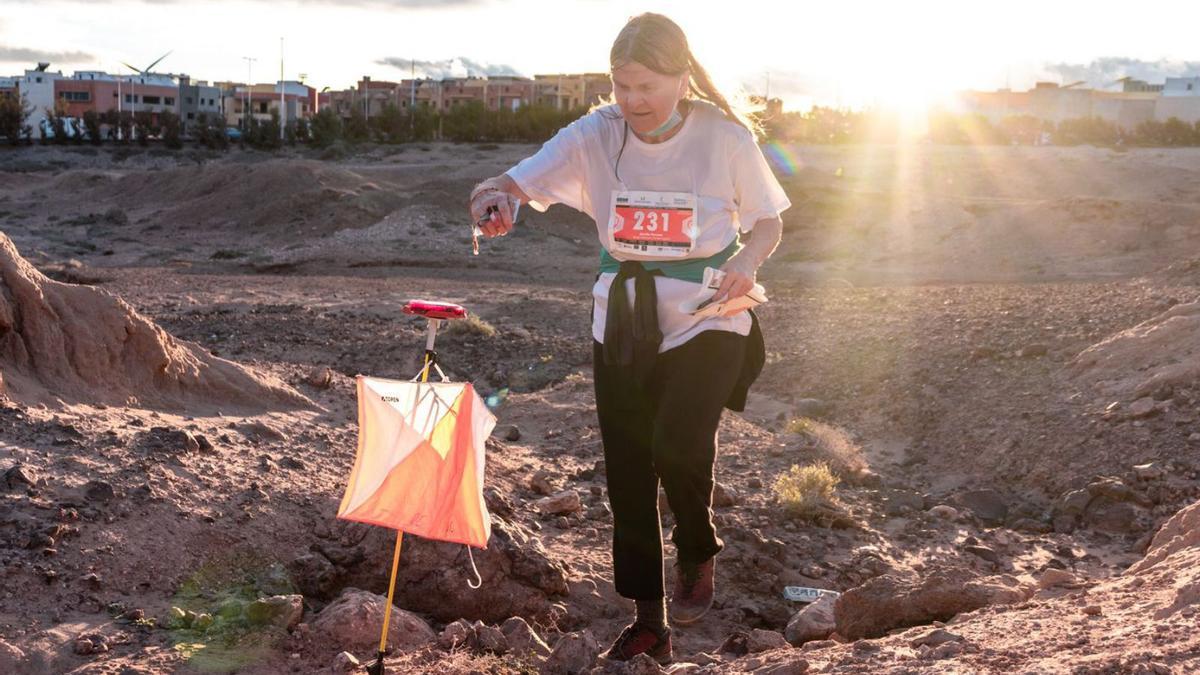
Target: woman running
x: 671, y: 174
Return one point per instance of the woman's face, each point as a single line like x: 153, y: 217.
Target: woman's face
x: 646, y: 97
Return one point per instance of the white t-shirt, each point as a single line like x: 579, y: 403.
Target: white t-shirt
x: 711, y: 157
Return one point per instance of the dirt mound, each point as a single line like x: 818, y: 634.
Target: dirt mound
x: 1152, y: 359
x: 80, y: 344
x: 269, y: 196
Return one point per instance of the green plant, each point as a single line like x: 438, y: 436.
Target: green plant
x: 472, y: 325
x: 326, y: 128
x: 807, y: 492
x: 91, y: 122
x: 14, y: 112
x: 171, y: 130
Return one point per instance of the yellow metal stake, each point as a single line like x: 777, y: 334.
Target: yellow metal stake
x: 377, y: 667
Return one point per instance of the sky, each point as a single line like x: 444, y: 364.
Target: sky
x: 850, y: 53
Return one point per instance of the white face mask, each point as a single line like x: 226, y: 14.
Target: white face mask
x: 674, y: 120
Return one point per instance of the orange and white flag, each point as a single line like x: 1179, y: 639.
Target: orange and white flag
x: 420, y: 460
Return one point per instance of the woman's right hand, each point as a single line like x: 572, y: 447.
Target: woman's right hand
x: 492, y: 212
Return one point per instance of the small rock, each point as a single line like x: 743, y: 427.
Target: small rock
x: 99, y: 492
x: 754, y: 483
x: 723, y: 497
x: 793, y: 666
x: 345, y: 662
x: 810, y: 407
x: 814, y: 622
x: 203, y: 443
x: 1093, y: 610
x: 988, y: 506
x: 540, y: 483
x: 934, y: 638
x: 944, y: 511
x: 284, y: 611
x: 509, y: 432
x: 20, y: 476
x: 489, y: 639
x: 642, y: 664
x: 455, y: 634
x: 522, y: 639
x: 1032, y: 351
x: 84, y: 646
x: 983, y: 552
x: 765, y: 640
x: 203, y: 621
x: 320, y: 377
x: 945, y: 651
x: 566, y: 501
x: 1143, y: 407
x: 1149, y: 471
x: 1052, y: 577
x: 573, y: 653
x: 901, y: 502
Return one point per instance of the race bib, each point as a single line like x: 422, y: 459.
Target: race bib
x: 653, y: 224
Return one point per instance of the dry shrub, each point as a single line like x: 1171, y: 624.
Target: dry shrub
x: 472, y: 325
x: 434, y: 662
x: 807, y: 492
x: 832, y: 446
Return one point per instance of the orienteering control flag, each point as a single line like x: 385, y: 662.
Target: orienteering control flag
x: 420, y: 460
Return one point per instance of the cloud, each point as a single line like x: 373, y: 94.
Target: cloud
x: 31, y: 56
x: 459, y: 66
x: 405, y: 4
x: 1104, y: 72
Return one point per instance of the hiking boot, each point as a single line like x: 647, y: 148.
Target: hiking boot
x: 639, y: 639
x: 693, y: 591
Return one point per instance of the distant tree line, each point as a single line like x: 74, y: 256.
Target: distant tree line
x: 467, y: 123
x: 473, y: 123
x: 976, y: 129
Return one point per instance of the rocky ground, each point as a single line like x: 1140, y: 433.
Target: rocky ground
x: 995, y: 349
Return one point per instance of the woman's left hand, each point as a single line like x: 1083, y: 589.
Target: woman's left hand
x: 735, y: 284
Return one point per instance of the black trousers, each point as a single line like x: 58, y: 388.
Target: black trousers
x: 665, y: 431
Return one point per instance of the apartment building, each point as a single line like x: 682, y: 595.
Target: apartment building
x: 1137, y: 102
x: 195, y: 99
x: 240, y: 102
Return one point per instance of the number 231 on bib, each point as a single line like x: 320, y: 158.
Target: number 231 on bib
x: 653, y: 224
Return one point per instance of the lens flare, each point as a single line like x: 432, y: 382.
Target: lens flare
x: 783, y: 158
x: 494, y: 400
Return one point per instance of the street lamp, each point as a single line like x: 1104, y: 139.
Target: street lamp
x: 246, y: 108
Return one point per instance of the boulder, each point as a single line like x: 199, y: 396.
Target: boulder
x: 814, y: 622
x: 354, y: 619
x: 892, y: 601
x: 519, y: 576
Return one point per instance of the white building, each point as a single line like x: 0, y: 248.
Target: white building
x: 1180, y: 98
x: 37, y: 88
